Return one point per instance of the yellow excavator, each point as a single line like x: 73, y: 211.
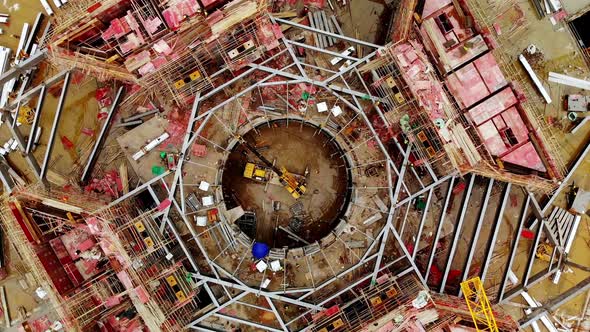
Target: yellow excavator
x: 288, y: 180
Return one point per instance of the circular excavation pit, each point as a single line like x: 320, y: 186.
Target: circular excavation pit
x: 304, y: 157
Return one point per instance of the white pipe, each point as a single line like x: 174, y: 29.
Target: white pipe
x: 21, y: 42
x: 152, y: 144
x: 535, y: 79
x: 568, y: 80
x: 47, y: 7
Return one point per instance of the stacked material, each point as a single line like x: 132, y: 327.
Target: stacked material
x: 320, y: 21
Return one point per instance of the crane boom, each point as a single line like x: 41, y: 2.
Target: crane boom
x: 261, y: 157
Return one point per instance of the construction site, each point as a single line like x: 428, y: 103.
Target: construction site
x: 295, y: 165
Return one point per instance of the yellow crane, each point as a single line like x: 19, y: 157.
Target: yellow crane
x: 479, y: 305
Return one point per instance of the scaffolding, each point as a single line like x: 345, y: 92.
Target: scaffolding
x: 31, y: 263
x: 547, y: 136
x: 146, y: 269
x: 151, y: 274
x: 149, y: 253
x: 195, y: 48
x: 465, y: 150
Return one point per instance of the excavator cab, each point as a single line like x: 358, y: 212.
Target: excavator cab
x: 293, y: 186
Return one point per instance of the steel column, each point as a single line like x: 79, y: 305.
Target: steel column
x: 457, y: 235
x: 495, y: 230
x: 23, y: 66
x: 45, y: 84
x: 555, y: 303
x: 247, y: 322
x: 137, y: 190
x: 29, y: 157
x: 439, y: 228
x: 398, y: 183
x: 257, y: 291
x: 101, y: 137
x: 532, y: 253
x: 541, y: 216
x: 56, y: 118
x: 277, y: 314
x: 513, y: 248
x: 36, y: 119
x: 347, y: 57
x: 425, y: 189
x: 421, y: 226
x: 535, y: 279
x: 476, y: 231
x: 218, y: 308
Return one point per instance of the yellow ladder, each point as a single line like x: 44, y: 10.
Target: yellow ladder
x: 479, y: 305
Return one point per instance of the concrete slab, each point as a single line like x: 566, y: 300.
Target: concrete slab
x: 133, y: 140
x: 467, y: 86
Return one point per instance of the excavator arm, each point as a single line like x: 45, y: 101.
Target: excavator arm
x: 295, y: 188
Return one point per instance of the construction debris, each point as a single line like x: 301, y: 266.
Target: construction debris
x: 244, y: 164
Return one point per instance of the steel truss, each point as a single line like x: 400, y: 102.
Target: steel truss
x: 26, y: 147
x: 400, y: 195
x: 224, y: 279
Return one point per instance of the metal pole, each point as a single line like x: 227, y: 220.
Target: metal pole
x: 513, y: 249
x: 336, y: 54
x: 425, y: 189
x: 29, y: 157
x: 552, y: 305
x: 247, y: 322
x: 326, y: 33
x: 47, y: 83
x: 394, y: 197
x: 101, y: 138
x: 477, y: 230
x: 23, y: 66
x: 495, y: 230
x: 457, y: 235
x: 535, y: 279
x: 56, y: 118
x: 36, y: 119
x: 532, y: 253
x: 277, y: 314
x: 578, y: 161
x: 439, y: 228
x: 218, y: 308
x: 421, y: 227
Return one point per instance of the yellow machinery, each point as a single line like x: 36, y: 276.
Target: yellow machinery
x: 293, y: 186
x: 479, y: 305
x: 26, y: 115
x: 544, y: 251
x: 255, y: 172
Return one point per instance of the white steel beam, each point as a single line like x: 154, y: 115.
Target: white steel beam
x: 458, y: 228
x: 439, y: 228
x: 495, y: 230
x: 477, y: 230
